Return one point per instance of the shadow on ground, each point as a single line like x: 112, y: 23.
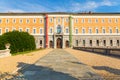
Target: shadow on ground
x: 108, y: 69
x: 36, y: 72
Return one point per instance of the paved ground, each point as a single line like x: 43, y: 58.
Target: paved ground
x: 58, y: 65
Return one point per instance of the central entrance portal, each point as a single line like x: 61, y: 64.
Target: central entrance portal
x: 59, y: 43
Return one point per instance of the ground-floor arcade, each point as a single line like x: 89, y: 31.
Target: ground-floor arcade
x: 62, y: 41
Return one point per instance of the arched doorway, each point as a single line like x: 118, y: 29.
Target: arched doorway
x: 67, y: 44
x: 59, y: 43
x: 51, y: 44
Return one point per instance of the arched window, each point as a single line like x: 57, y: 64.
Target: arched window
x: 59, y: 29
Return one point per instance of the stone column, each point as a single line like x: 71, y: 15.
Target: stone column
x: 70, y: 31
x: 46, y: 33
x: 94, y: 42
x: 63, y: 46
x: 114, y: 42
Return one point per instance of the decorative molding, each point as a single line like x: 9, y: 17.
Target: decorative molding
x: 22, y: 16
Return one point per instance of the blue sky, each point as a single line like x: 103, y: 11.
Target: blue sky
x: 59, y: 5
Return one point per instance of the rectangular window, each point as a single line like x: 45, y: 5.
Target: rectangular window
x: 97, y: 42
x: 7, y: 20
x: 27, y: 30
x: 117, y: 31
x: 0, y: 31
x: 110, y: 30
x: 34, y: 31
x: 83, y: 31
x: 82, y: 20
x: 104, y: 42
x: 41, y: 31
x: 76, y: 42
x: 34, y: 20
x: 84, y: 42
x: 103, y: 20
x: 51, y: 30
x: 40, y: 42
x: 20, y: 29
x: 27, y: 21
x: 76, y: 31
x: 97, y: 31
x: 117, y: 43
x: 109, y: 20
x: 14, y: 21
x: 116, y: 20
x: 51, y: 20
x: 103, y: 30
x: 58, y: 19
x: 6, y: 30
x: 111, y: 42
x: 0, y: 21
x: 89, y: 20
x: 41, y: 20
x: 67, y: 31
x: 21, y: 20
x: 66, y: 19
x: 76, y: 20
x: 96, y: 20
x: 90, y: 30
x: 90, y: 42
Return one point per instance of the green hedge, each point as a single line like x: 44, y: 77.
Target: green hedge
x: 20, y: 41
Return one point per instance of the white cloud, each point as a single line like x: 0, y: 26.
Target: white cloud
x: 91, y: 5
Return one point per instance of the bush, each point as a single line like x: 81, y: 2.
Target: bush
x: 20, y: 41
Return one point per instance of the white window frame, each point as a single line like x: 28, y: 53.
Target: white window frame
x: 90, y: 30
x: 51, y: 29
x: 83, y: 30
x: 96, y: 20
x: 76, y: 31
x: 110, y: 30
x: 33, y: 30
x: 96, y: 30
x: 7, y: 20
x: 0, y: 31
x: 83, y: 21
x: 41, y: 30
x: 6, y: 29
x: 66, y: 19
x: 51, y: 19
x: 0, y: 20
x: 27, y: 21
x: 20, y: 29
x: 21, y: 21
x: 76, y: 20
x: 117, y: 30
x: 116, y: 20
x: 67, y: 30
x: 109, y: 20
x: 58, y: 20
x: 28, y: 30
x: 14, y: 20
x: 103, y: 20
x: 89, y: 21
x: 103, y: 29
x: 41, y: 20
x: 34, y: 20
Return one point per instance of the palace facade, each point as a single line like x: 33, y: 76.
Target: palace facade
x: 62, y: 30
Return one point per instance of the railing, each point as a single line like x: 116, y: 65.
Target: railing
x: 5, y: 53
x: 105, y: 49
